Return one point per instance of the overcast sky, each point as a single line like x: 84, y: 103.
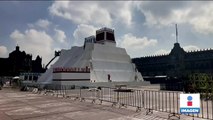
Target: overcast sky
x: 141, y: 27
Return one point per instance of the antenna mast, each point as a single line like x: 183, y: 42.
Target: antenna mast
x: 176, y: 33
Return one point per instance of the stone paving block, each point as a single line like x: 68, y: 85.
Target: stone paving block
x: 92, y: 114
x: 4, y: 116
x: 62, y: 110
x: 52, y: 104
x: 49, y: 117
x: 25, y: 112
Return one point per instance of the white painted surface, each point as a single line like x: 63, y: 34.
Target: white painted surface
x: 102, y: 59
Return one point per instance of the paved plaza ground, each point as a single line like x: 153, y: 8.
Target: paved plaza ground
x: 17, y: 105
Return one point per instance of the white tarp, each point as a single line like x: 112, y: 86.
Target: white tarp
x: 103, y: 60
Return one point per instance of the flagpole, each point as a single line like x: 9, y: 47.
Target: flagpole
x: 176, y: 33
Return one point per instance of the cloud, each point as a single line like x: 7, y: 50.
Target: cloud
x: 162, y: 13
x: 34, y: 42
x: 133, y: 42
x: 190, y: 48
x: 60, y: 36
x: 42, y: 23
x: 202, y: 19
x: 102, y: 13
x: 162, y: 51
x: 81, y: 32
x: 3, y: 51
x: 197, y: 14
x: 134, y: 45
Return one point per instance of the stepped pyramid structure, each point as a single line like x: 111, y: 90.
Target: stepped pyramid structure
x: 97, y: 61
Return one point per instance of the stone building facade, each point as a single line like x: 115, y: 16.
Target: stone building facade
x: 20, y: 62
x: 178, y: 64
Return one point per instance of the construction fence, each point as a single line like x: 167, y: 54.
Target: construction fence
x: 150, y: 100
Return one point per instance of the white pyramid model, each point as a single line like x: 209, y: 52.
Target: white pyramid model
x: 99, y: 60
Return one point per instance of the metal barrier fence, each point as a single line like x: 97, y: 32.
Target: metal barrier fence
x: 169, y: 102
x: 164, y: 101
x: 123, y: 97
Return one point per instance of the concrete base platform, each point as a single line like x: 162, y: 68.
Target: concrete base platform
x: 16, y: 105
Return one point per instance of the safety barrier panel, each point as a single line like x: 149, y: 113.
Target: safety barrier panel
x: 164, y: 101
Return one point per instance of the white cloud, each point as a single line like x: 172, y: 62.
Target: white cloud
x: 162, y: 51
x: 3, y: 51
x: 16, y: 35
x: 102, y: 13
x: 134, y: 45
x: 81, y: 32
x: 34, y: 42
x: 133, y: 42
x: 190, y: 48
x: 42, y: 23
x: 60, y: 36
x: 203, y: 20
x: 198, y: 14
